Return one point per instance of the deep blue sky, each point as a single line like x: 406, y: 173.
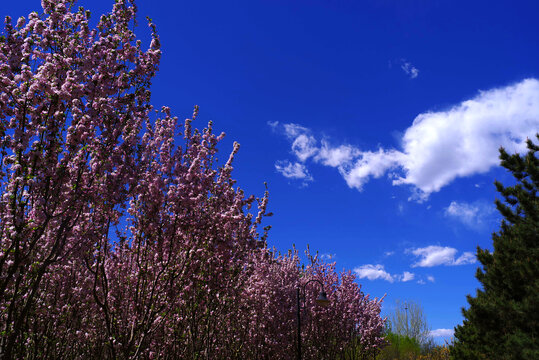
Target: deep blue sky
x: 333, y: 100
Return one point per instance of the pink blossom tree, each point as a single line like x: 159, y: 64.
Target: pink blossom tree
x: 72, y: 102
x: 348, y: 328
x: 120, y: 236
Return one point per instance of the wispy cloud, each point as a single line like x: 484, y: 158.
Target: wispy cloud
x: 407, y: 276
x: 473, y: 215
x: 304, y: 147
x: 441, y: 333
x: 465, y: 258
x: 409, y: 69
x: 293, y: 170
x: 292, y: 130
x: 430, y: 278
x: 336, y: 156
x: 462, y: 211
x: 437, y: 255
x: 328, y: 256
x: 370, y: 164
x: 375, y: 272
x: 438, y: 147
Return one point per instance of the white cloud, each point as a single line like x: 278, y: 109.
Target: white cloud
x: 465, y: 258
x: 441, y: 333
x: 464, y: 140
x: 293, y: 170
x: 389, y: 253
x: 370, y: 164
x: 409, y: 69
x: 293, y: 130
x: 373, y: 272
x: 437, y: 255
x: 434, y: 255
x: 328, y: 256
x: 273, y: 124
x: 304, y: 146
x: 472, y: 215
x: 463, y: 211
x: 407, y: 276
x: 336, y: 156
x: 421, y: 282
x: 430, y: 278
x: 438, y: 147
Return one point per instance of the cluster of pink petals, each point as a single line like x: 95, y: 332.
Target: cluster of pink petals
x: 120, y: 237
x: 350, y: 327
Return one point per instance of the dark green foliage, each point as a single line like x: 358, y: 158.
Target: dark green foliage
x: 502, y: 321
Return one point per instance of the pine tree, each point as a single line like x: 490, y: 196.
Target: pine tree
x: 502, y: 321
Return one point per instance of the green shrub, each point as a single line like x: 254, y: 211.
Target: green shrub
x: 400, y: 347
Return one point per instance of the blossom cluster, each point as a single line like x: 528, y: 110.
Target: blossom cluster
x: 120, y: 236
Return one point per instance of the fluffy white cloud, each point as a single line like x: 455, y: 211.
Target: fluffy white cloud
x: 439, y: 146
x: 464, y: 140
x: 407, y: 276
x: 293, y: 170
x: 430, y: 278
x: 434, y: 255
x: 373, y: 272
x: 472, y: 215
x: 409, y: 69
x: 441, y: 333
x: 437, y: 255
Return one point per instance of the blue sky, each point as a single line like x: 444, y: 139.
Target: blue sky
x: 375, y: 123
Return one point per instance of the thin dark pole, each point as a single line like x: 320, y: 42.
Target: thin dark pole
x: 299, y: 310
x: 299, y: 328
x: 406, y: 308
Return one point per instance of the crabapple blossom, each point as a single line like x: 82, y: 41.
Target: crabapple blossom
x: 121, y: 237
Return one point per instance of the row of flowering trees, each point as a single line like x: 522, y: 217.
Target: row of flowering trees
x: 120, y: 236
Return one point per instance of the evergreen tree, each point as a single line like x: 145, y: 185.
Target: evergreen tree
x: 502, y: 321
